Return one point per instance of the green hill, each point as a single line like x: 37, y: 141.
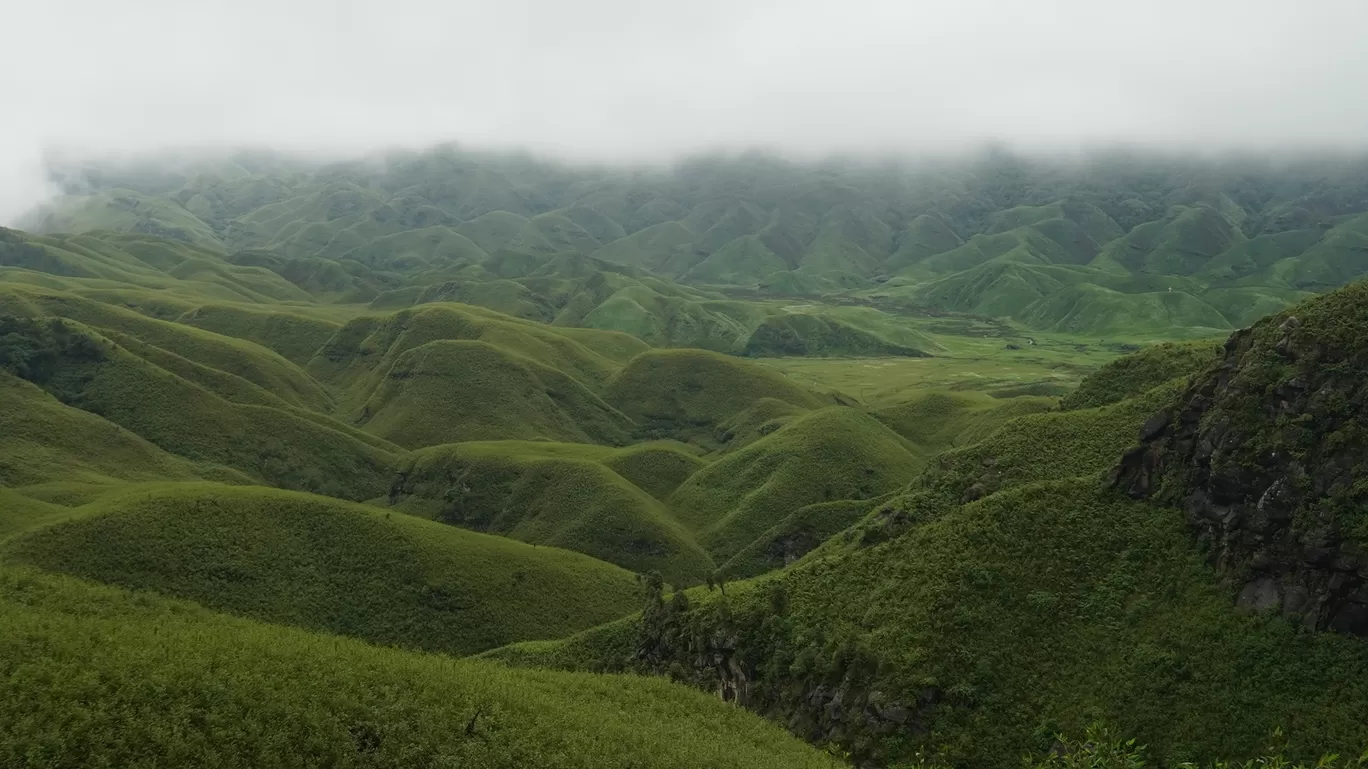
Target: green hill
x: 459, y: 390
x: 358, y: 359
x: 688, y: 393
x: 280, y: 445
x: 832, y: 454
x: 323, y: 564
x: 493, y: 231
x: 924, y: 236
x: 1134, y: 374
x: 564, y: 495
x: 43, y: 441
x: 802, y: 334
x: 1004, y: 596
x: 352, y: 231
x: 80, y: 662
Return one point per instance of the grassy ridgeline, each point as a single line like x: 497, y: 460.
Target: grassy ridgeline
x: 100, y: 677
x: 1044, y: 607
x: 324, y: 564
x: 689, y: 394
x: 562, y: 494
x: 1002, y: 597
x: 831, y: 454
x: 458, y: 390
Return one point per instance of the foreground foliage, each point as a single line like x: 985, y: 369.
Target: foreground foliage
x: 101, y: 677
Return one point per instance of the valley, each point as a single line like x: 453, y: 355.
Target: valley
x: 461, y: 459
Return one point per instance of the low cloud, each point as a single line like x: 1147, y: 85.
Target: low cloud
x: 621, y: 80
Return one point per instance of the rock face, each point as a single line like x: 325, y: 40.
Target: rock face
x: 1267, y: 454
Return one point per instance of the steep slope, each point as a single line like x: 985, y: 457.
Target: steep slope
x: 565, y: 495
x: 282, y: 446
x: 43, y: 441
x: 323, y: 564
x: 689, y: 393
x: 1004, y: 590
x: 1265, y: 453
x: 459, y: 390
x: 358, y: 358
x: 1133, y: 374
x: 832, y: 454
x: 79, y: 663
x: 805, y: 334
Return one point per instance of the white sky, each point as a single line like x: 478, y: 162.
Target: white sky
x: 640, y: 79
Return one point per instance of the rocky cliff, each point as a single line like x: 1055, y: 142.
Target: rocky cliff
x: 1267, y: 454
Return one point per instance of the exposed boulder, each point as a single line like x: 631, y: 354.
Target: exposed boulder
x: 1267, y: 454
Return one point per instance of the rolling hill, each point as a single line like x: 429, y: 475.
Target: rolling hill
x: 789, y: 433
x: 1093, y: 247
x: 1008, y: 592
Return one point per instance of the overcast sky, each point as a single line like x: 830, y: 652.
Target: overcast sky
x: 637, y: 79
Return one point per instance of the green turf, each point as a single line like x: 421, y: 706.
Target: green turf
x: 456, y: 390
x: 1046, y: 605
x: 831, y: 454
x: 101, y: 677
x: 866, y: 412
x: 565, y: 495
x: 1134, y: 374
x: 688, y: 393
x: 327, y: 565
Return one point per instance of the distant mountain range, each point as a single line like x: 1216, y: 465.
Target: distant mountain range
x: 1114, y: 245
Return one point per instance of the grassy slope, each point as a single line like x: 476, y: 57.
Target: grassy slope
x: 934, y: 420
x: 831, y: 454
x: 245, y: 359
x: 43, y: 441
x: 19, y: 513
x: 359, y: 357
x: 565, y: 495
x: 1134, y: 374
x: 185, y: 419
x: 98, y: 676
x: 687, y: 393
x: 458, y: 390
x: 1045, y: 605
x: 324, y: 564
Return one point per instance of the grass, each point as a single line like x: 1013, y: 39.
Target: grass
x: 101, y: 677
x: 183, y: 418
x: 19, y: 513
x: 803, y: 335
x: 564, y: 495
x: 1134, y: 374
x: 687, y: 393
x: 42, y: 440
x: 456, y: 390
x: 294, y: 337
x: 982, y: 360
x: 327, y: 565
x: 831, y: 454
x: 357, y: 360
x: 934, y: 420
x: 934, y: 547
x: 1045, y: 606
x: 249, y: 361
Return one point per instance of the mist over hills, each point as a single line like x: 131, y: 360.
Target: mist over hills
x: 851, y: 445
x: 1106, y: 244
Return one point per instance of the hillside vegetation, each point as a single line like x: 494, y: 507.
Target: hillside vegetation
x: 930, y: 464
x: 100, y: 676
x: 322, y: 564
x: 1114, y: 244
x: 1007, y: 594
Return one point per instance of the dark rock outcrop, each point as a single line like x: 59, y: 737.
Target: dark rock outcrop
x: 1267, y: 454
